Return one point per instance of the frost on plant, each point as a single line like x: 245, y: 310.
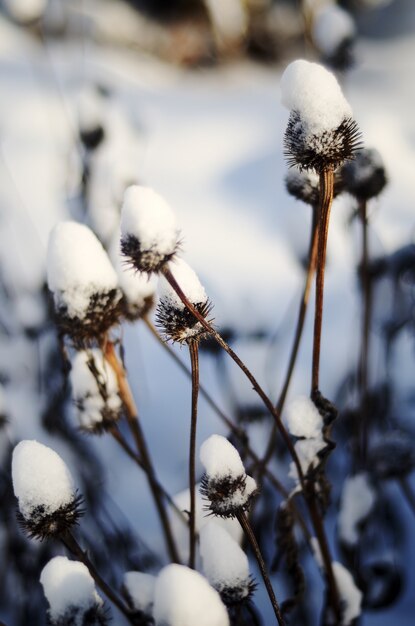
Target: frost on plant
x: 173, y: 318
x: 225, y: 483
x: 71, y: 594
x: 83, y: 282
x: 149, y: 232
x: 95, y: 391
x: 321, y: 131
x: 199, y: 604
x: 44, y: 487
x: 225, y: 564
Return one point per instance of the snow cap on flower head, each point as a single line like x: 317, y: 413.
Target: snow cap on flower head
x: 321, y: 132
x: 225, y: 564
x: 70, y: 591
x: 365, y: 177
x: 183, y: 597
x: 149, y: 233
x: 333, y: 33
x: 139, y: 591
x: 83, y: 282
x: 175, y: 320
x: 91, y: 118
x: 225, y: 483
x: 95, y: 391
x: 44, y: 487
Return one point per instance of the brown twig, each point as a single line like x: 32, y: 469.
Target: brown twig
x: 244, y: 522
x: 194, y: 359
x: 135, y: 427
x: 74, y: 548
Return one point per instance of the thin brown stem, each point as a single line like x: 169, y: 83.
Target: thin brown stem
x: 244, y: 522
x: 137, y: 432
x: 363, y: 373
x: 256, y: 386
x: 194, y: 360
x: 312, y: 255
x: 75, y: 549
x: 326, y: 199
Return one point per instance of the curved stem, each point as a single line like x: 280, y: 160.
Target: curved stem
x: 135, y: 427
x: 243, y: 520
x: 194, y: 359
x: 74, y: 548
x: 326, y: 199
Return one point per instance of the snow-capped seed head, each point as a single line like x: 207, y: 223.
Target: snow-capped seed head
x: 139, y: 591
x: 43, y: 485
x: 321, y: 132
x: 303, y: 418
x: 70, y: 591
x: 357, y: 501
x: 225, y: 564
x: 174, y: 319
x: 225, y: 484
x: 91, y: 118
x: 365, y: 177
x: 25, y: 11
x: 95, y: 391
x: 83, y: 282
x: 392, y: 456
x: 149, y: 233
x: 184, y: 597
x: 305, y: 185
x: 333, y: 33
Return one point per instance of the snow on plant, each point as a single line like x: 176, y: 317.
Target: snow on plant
x: 321, y: 131
x: 149, y: 232
x: 44, y: 487
x: 83, y: 282
x: 357, y: 501
x: 139, y: 590
x: 225, y: 564
x: 95, y: 391
x: 91, y: 118
x: 70, y: 591
x: 184, y: 597
x: 225, y: 484
x: 333, y: 33
x: 174, y: 319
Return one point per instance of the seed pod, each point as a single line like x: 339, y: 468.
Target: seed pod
x: 43, y: 485
x: 304, y: 185
x: 334, y: 34
x: 225, y: 483
x: 365, y: 177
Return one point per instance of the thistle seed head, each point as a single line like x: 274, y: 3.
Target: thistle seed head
x: 43, y: 525
x: 365, y: 176
x: 229, y: 495
x: 305, y: 185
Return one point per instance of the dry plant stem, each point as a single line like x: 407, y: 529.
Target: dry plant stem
x: 135, y: 427
x: 256, y: 386
x: 243, y: 520
x: 363, y: 374
x: 74, y: 548
x: 326, y: 199
x: 194, y: 359
x: 310, y: 500
x: 312, y: 255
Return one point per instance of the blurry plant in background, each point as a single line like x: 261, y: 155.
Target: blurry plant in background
x: 100, y: 101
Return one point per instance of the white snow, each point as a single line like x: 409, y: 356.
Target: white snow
x: 357, y: 501
x: 147, y: 216
x: 40, y: 478
x: 181, y: 530
x: 224, y: 563
x: 140, y: 589
x: 184, y: 597
x: 188, y: 282
x: 307, y: 450
x: 78, y: 267
x: 314, y: 93
x: 332, y: 25
x: 25, y: 10
x: 91, y: 110
x: 350, y: 595
x: 303, y: 418
x: 85, y: 390
x: 68, y: 584
x: 220, y: 458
